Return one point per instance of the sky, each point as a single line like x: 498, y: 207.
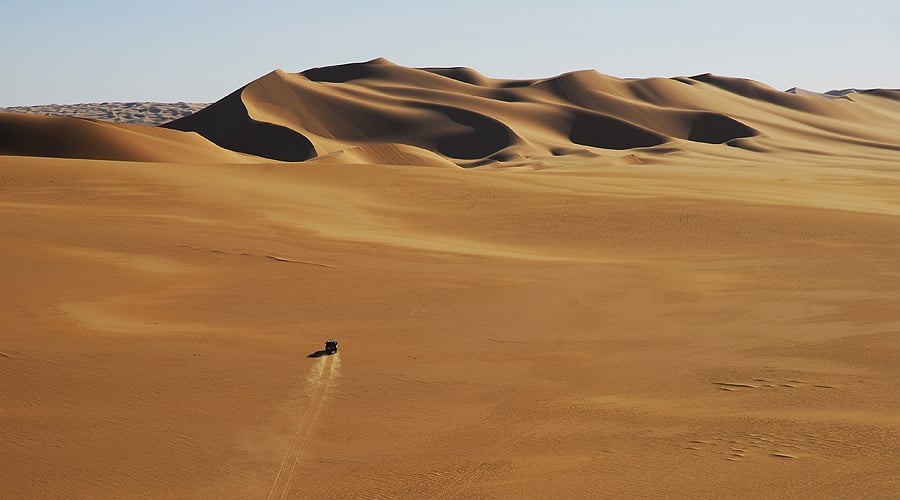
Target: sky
x: 199, y: 51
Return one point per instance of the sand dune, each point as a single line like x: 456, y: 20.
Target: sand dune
x: 475, y: 120
x: 66, y: 137
x: 461, y: 116
x: 652, y: 288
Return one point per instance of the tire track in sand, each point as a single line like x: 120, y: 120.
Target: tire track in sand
x: 320, y: 378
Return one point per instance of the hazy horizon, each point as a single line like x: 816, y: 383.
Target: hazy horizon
x: 100, y: 51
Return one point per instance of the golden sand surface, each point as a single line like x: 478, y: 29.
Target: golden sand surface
x: 693, y: 318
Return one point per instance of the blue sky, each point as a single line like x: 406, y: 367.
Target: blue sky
x: 93, y: 50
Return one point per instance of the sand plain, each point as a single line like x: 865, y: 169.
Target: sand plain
x: 692, y: 319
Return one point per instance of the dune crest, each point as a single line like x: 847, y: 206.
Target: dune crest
x: 459, y: 116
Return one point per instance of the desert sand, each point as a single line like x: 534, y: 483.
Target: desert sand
x: 654, y: 288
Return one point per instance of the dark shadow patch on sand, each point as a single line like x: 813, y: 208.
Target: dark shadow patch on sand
x: 601, y: 131
x: 714, y: 128
x: 485, y: 136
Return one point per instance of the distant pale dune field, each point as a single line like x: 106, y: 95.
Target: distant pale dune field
x: 141, y: 113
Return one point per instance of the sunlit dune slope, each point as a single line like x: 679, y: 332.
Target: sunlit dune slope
x: 474, y: 120
x: 388, y: 154
x: 65, y: 137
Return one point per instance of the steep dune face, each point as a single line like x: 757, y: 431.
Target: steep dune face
x: 65, y: 137
x: 228, y: 124
x: 474, y: 120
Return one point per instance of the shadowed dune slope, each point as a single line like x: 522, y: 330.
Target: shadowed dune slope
x: 474, y: 120
x: 228, y: 124
x: 65, y: 137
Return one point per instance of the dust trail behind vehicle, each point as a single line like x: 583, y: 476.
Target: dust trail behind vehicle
x: 319, y: 378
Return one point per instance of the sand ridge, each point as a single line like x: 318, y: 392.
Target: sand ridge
x: 71, y: 137
x: 474, y: 120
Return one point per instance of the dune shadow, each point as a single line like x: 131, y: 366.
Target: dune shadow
x: 484, y: 137
x: 228, y: 124
x: 713, y: 128
x: 319, y: 354
x: 601, y: 131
